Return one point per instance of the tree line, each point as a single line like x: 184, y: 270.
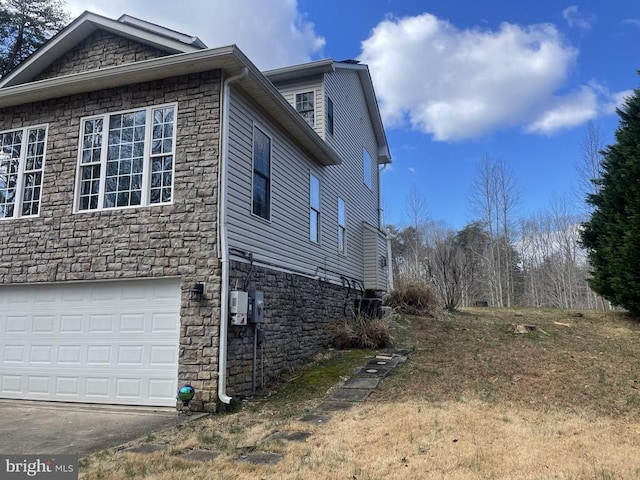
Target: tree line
x: 500, y: 259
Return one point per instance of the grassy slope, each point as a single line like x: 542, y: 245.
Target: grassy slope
x: 573, y: 361
x: 474, y: 401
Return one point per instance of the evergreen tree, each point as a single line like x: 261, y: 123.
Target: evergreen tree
x: 25, y: 25
x: 612, y: 234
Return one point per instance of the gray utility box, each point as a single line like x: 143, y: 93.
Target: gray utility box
x: 256, y: 306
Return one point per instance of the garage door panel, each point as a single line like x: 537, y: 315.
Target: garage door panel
x: 133, y: 323
x: 38, y: 385
x: 163, y: 356
x: 101, y: 342
x: 16, y: 324
x: 67, y: 386
x: 101, y: 323
x: 70, y: 355
x: 40, y: 354
x: 43, y: 323
x: 70, y: 324
x: 13, y: 354
x: 11, y: 384
x: 160, y: 389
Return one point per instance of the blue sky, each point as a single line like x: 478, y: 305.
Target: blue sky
x: 456, y: 80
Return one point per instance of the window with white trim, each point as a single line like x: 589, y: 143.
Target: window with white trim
x: 261, y: 174
x: 366, y: 164
x: 127, y: 159
x: 314, y: 208
x: 305, y: 105
x: 342, y: 227
x: 22, y: 154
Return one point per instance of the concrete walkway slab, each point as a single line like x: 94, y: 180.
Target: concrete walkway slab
x: 201, y: 455
x: 376, y: 371
x: 260, y: 458
x: 144, y: 448
x: 315, y: 418
x: 288, y: 436
x: 351, y: 394
x: 404, y: 352
x: 380, y: 362
x: 360, y: 382
x: 333, y: 406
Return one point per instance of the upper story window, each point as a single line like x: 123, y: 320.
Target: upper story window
x: 22, y: 154
x: 127, y: 159
x: 305, y: 105
x: 314, y: 208
x: 342, y: 227
x: 261, y: 174
x: 329, y: 116
x: 366, y: 164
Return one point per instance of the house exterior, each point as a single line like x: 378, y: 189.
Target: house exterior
x: 147, y: 184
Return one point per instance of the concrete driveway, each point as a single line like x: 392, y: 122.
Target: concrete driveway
x: 77, y: 429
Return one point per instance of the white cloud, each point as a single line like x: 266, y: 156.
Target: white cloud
x: 272, y: 33
x: 615, y: 100
x: 458, y: 84
x: 632, y: 21
x: 568, y: 111
x: 575, y: 18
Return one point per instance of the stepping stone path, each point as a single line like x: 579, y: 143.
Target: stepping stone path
x: 355, y: 390
x: 144, y: 448
x: 201, y: 455
x: 260, y: 458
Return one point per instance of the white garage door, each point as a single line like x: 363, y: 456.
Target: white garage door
x: 94, y: 342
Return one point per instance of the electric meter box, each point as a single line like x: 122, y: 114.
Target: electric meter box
x: 256, y: 306
x: 238, y: 306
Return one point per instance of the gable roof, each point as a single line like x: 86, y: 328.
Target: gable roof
x: 229, y: 59
x: 328, y: 65
x: 126, y: 26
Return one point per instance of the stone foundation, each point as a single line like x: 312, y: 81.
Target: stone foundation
x: 298, y: 310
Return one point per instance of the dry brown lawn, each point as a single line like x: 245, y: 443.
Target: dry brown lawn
x: 474, y: 401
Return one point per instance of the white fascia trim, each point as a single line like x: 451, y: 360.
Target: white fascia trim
x: 294, y: 72
x: 384, y: 156
x: 229, y: 58
x: 160, y: 30
x: 93, y: 80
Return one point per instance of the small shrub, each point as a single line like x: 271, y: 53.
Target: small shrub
x: 361, y: 332
x: 413, y: 298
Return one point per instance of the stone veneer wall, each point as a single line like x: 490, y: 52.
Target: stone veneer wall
x: 176, y: 240
x: 99, y: 50
x: 298, y: 310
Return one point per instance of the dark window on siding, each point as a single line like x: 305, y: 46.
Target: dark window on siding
x: 314, y: 208
x: 330, y: 115
x: 261, y: 174
x: 342, y: 227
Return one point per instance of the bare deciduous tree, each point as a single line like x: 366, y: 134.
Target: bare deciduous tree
x: 589, y: 167
x: 493, y: 198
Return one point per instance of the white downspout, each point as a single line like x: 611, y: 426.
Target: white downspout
x: 223, y: 250
x: 386, y: 234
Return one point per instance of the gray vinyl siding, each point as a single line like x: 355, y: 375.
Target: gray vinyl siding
x: 353, y: 131
x: 289, y: 91
x: 375, y: 273
x: 284, y: 240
